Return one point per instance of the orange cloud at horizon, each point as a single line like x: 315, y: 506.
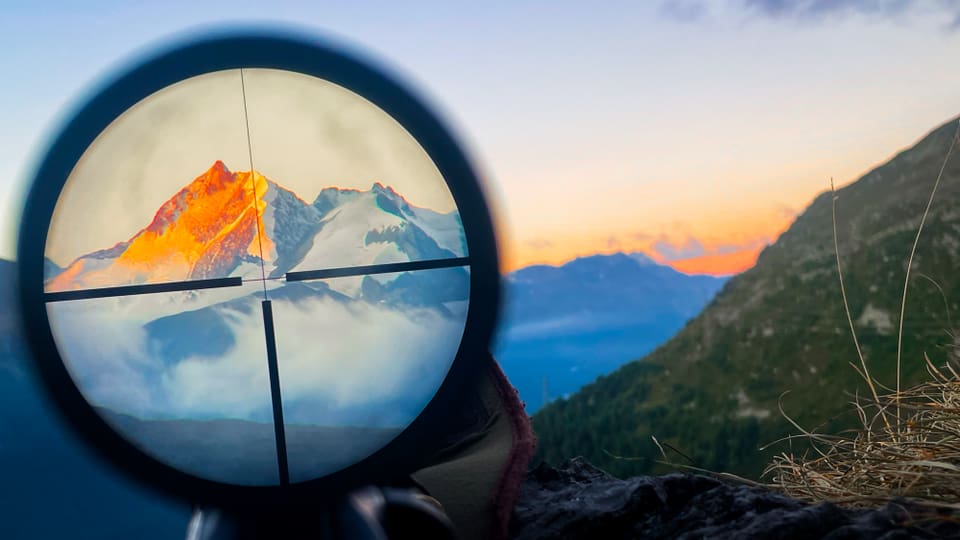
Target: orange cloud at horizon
x: 712, y: 263
x: 722, y: 264
x: 714, y: 247
x: 717, y: 264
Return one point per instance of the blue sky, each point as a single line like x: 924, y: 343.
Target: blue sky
x: 701, y: 127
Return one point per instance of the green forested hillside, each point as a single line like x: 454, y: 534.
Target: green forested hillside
x: 712, y: 390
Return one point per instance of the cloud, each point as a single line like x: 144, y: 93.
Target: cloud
x: 686, y: 11
x: 726, y: 249
x: 103, y: 349
x: 665, y: 249
x: 955, y: 23
x: 358, y: 357
x: 549, y: 327
x: 342, y: 363
x: 669, y: 251
x: 365, y: 364
x: 642, y: 237
x: 538, y: 244
x: 823, y: 9
x: 692, y: 11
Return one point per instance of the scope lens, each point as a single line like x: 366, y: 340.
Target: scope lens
x: 257, y: 277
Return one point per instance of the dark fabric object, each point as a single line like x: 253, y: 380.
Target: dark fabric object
x: 578, y: 500
x: 524, y: 446
x: 477, y: 476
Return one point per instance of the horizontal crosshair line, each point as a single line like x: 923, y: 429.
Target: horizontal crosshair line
x: 387, y: 268
x: 237, y: 281
x: 149, y: 288
x: 258, y: 280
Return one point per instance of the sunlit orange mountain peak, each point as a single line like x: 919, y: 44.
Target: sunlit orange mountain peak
x: 242, y: 224
x: 200, y: 232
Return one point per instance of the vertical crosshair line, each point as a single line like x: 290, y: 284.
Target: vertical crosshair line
x: 253, y: 186
x: 279, y: 430
x: 271, y: 341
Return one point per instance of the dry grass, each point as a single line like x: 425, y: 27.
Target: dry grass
x: 908, y: 445
x: 919, y: 461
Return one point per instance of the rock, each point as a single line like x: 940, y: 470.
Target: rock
x: 578, y: 500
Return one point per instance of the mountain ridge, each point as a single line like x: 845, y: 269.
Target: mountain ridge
x: 713, y: 390
x: 565, y: 325
x: 227, y: 223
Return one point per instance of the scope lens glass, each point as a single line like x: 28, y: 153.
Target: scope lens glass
x: 257, y: 277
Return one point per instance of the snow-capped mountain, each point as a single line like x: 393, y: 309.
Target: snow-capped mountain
x: 209, y: 229
x: 162, y: 366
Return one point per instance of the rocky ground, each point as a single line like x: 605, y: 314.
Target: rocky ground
x: 577, y: 500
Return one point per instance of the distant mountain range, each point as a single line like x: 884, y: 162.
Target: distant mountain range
x: 712, y: 390
x: 209, y: 229
x: 564, y: 326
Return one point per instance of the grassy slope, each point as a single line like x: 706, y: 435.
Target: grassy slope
x: 712, y: 390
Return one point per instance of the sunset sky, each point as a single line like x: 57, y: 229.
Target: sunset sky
x: 692, y: 130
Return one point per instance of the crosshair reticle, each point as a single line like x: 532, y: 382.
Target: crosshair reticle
x: 257, y: 276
